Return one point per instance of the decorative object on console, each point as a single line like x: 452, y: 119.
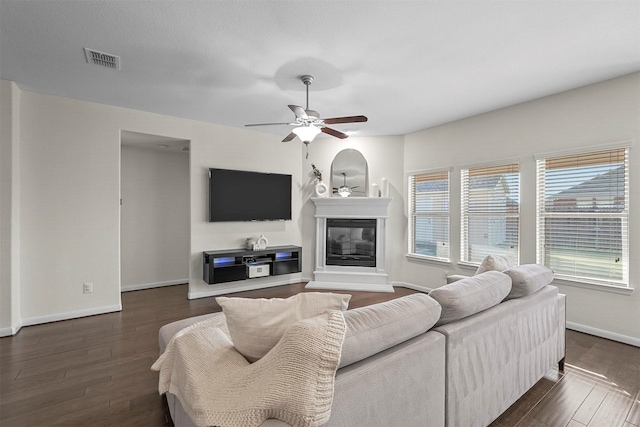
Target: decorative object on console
x: 309, y: 124
x: 261, y: 243
x: 250, y: 243
x: 257, y: 244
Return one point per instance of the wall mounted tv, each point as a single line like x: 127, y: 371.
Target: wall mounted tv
x: 236, y: 195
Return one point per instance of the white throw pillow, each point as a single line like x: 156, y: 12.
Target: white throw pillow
x: 495, y: 263
x: 257, y: 324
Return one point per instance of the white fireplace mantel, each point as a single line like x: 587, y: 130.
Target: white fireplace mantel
x: 351, y: 277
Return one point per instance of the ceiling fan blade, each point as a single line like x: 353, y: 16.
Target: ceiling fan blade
x: 335, y: 133
x: 267, y: 124
x: 350, y: 119
x: 289, y: 137
x: 299, y: 111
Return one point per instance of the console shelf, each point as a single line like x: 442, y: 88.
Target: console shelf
x: 234, y: 264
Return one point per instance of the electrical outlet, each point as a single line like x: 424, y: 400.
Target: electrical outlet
x: 87, y: 287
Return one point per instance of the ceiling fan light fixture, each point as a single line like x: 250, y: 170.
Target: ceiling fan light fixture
x: 344, y: 191
x: 306, y: 133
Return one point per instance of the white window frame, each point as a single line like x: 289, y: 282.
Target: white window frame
x: 493, y: 169
x: 542, y: 214
x: 437, y: 214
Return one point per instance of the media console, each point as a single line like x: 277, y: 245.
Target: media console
x: 241, y: 264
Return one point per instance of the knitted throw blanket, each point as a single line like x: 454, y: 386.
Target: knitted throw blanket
x: 217, y: 386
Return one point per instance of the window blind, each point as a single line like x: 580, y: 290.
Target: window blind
x: 490, y: 200
x: 429, y: 214
x: 582, y: 216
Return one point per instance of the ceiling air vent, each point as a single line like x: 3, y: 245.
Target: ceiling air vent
x: 103, y: 59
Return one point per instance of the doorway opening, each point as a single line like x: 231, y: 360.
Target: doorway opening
x: 155, y: 224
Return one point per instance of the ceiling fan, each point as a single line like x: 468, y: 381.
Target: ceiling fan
x: 308, y: 122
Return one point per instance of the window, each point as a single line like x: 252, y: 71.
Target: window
x: 583, y: 205
x: 429, y: 214
x: 490, y: 212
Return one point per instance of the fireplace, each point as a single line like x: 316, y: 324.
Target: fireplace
x: 350, y: 246
x: 351, y: 242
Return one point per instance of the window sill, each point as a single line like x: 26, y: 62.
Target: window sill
x: 468, y: 265
x: 428, y: 259
x: 620, y: 290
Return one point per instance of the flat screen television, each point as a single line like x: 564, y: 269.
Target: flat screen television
x: 236, y: 195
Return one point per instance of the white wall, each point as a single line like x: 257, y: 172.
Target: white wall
x: 245, y: 150
x: 384, y: 158
x: 10, y: 320
x: 68, y: 183
x: 591, y: 116
x: 154, y: 218
x: 70, y: 191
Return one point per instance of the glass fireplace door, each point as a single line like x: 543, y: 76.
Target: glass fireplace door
x: 351, y: 242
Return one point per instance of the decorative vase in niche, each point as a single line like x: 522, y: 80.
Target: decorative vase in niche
x: 322, y: 190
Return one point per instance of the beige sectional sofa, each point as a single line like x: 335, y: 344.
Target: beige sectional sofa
x: 453, y: 358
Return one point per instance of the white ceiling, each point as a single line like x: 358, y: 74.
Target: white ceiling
x: 407, y: 65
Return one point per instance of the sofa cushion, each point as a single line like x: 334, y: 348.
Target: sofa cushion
x: 495, y: 262
x: 169, y: 330
x: 376, y: 327
x: 471, y: 295
x: 527, y: 279
x: 257, y: 324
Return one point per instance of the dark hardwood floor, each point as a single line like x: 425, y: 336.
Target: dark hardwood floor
x: 95, y: 370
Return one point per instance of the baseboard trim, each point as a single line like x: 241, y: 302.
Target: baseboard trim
x: 343, y: 286
x: 8, y: 332
x: 604, y: 334
x: 412, y: 286
x: 128, y: 288
x: 71, y: 315
x: 238, y: 288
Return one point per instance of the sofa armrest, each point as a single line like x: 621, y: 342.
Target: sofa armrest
x: 455, y: 278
